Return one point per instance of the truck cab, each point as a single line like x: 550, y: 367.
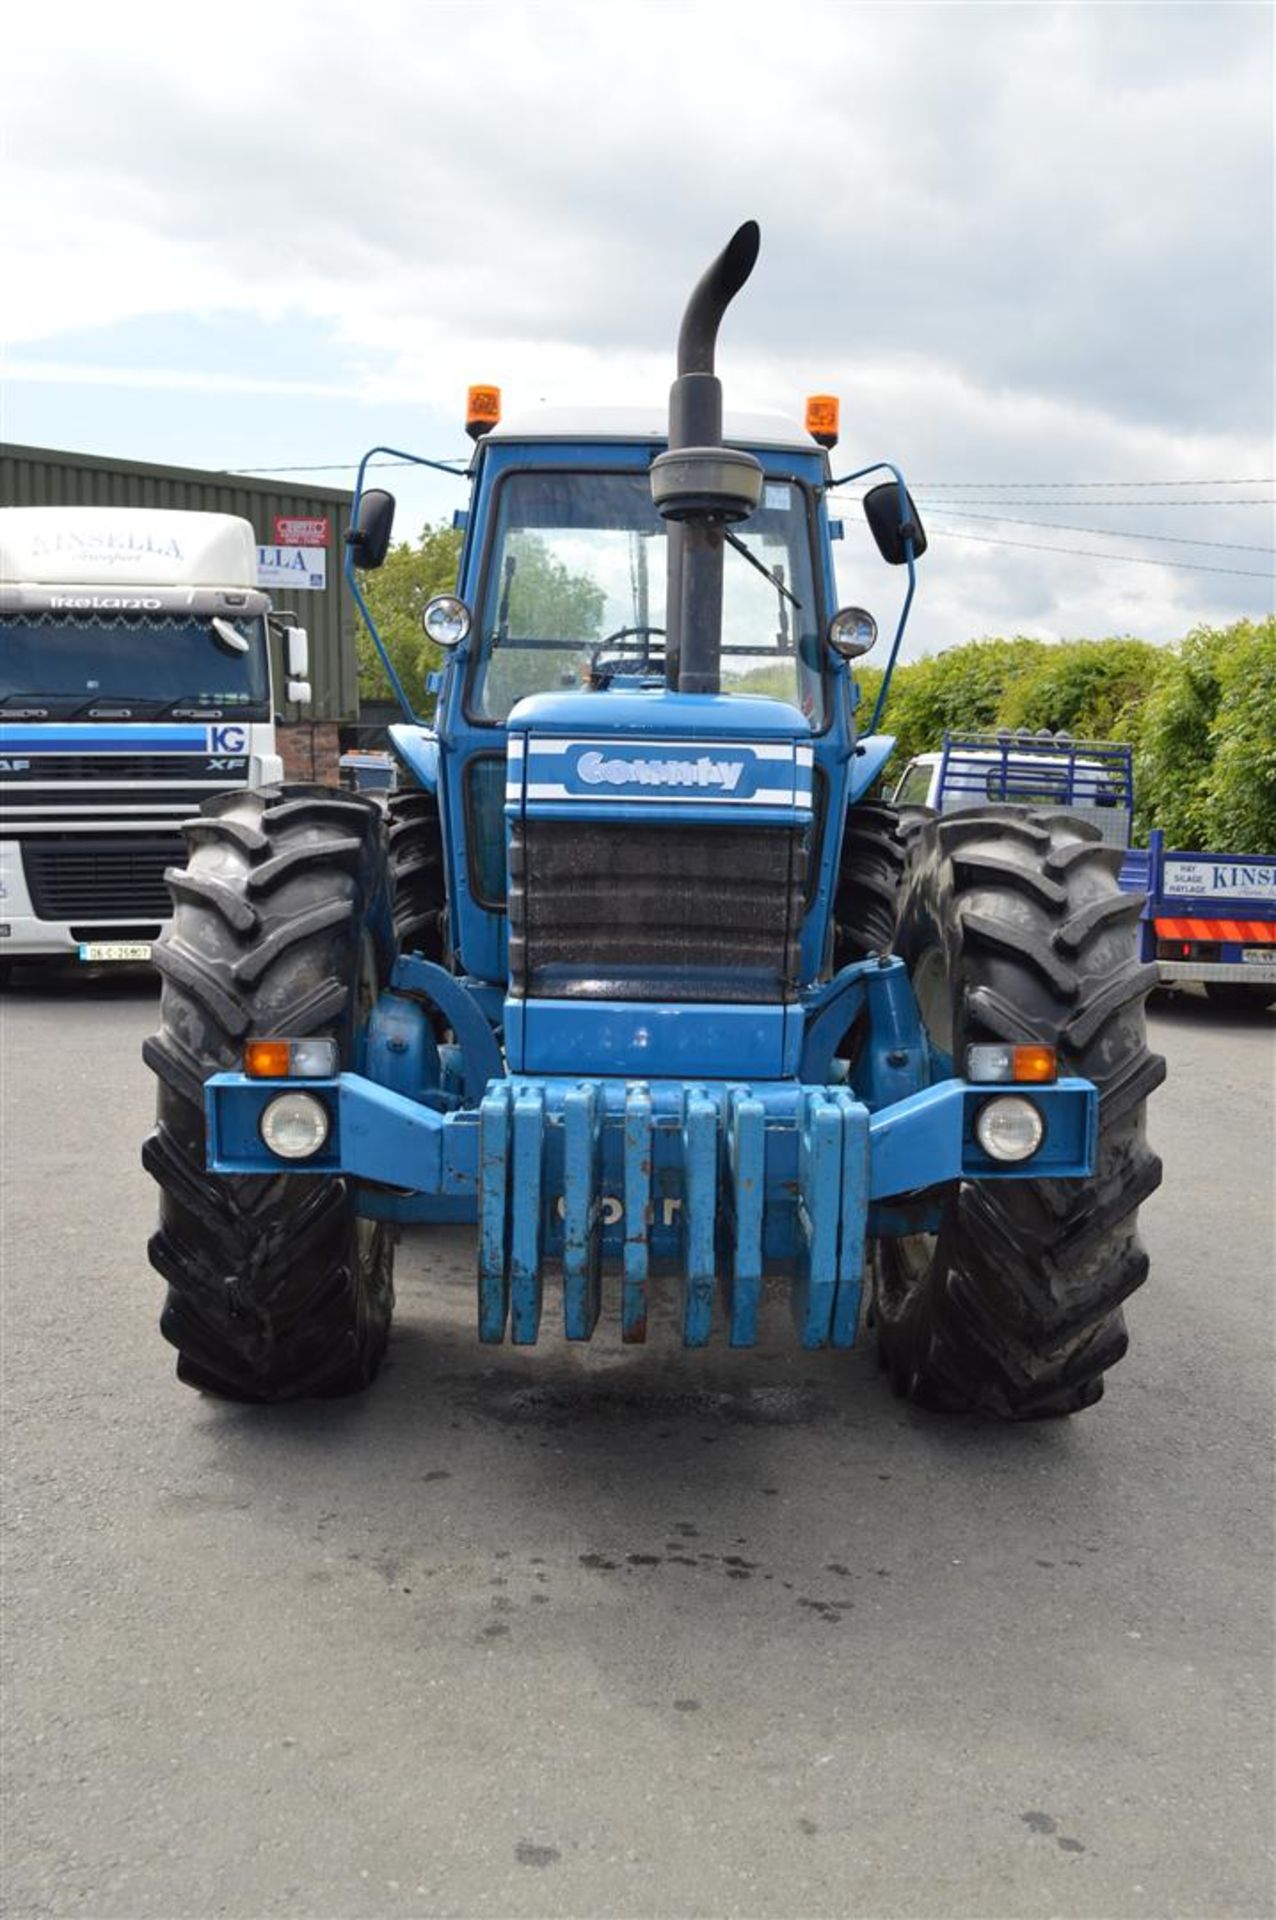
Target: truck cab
x: 135, y: 683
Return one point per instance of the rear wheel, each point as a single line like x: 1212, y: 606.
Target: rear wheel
x: 1014, y: 929
x: 869, y: 876
x: 281, y: 926
x: 416, y: 871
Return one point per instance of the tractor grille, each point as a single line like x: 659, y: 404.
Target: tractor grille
x: 603, y: 910
x: 100, y: 878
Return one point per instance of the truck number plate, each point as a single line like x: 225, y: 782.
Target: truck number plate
x: 1257, y: 955
x: 115, y: 950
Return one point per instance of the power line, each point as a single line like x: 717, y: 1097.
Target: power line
x: 1110, y: 533
x: 1062, y: 486
x: 347, y: 466
x: 1089, y: 506
x: 1118, y: 559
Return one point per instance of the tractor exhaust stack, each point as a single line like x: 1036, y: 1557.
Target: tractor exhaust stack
x: 700, y: 486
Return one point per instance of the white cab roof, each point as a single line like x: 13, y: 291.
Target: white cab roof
x: 648, y: 423
x: 125, y: 546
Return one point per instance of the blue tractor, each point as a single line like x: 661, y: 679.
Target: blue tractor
x: 632, y: 973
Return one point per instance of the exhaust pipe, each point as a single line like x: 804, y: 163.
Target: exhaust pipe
x: 699, y: 486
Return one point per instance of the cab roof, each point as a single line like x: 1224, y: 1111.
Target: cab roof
x: 609, y: 424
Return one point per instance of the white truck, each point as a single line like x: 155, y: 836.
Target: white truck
x: 135, y: 682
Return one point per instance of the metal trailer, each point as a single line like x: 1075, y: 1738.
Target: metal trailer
x: 1092, y: 779
x: 634, y: 977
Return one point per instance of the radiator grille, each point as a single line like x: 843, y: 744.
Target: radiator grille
x: 99, y: 877
x: 209, y: 769
x: 630, y: 911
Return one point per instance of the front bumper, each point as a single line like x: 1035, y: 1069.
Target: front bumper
x: 1242, y: 973
x: 718, y: 1180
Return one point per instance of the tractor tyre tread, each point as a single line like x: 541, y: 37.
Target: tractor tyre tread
x: 870, y: 873
x: 274, y: 1290
x: 1015, y: 1309
x: 416, y: 871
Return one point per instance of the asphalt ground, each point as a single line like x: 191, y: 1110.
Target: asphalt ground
x: 624, y: 1632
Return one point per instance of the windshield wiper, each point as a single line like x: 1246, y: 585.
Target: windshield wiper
x: 734, y: 540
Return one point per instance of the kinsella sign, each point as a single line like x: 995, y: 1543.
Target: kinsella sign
x: 300, y: 532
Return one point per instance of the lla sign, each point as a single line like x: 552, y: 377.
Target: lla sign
x: 292, y: 569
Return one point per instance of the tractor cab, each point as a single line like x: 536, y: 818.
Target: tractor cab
x: 563, y: 595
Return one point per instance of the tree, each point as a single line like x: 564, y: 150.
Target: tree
x: 396, y: 595
x: 540, y: 600
x: 1200, y: 714
x: 1092, y: 689
x: 1205, y: 770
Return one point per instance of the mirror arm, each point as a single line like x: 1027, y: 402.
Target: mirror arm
x: 459, y: 473
x: 907, y: 531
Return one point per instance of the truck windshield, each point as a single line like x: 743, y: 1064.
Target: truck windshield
x: 150, y: 662
x: 574, y: 594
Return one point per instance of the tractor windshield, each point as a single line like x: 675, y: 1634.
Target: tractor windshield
x: 574, y: 594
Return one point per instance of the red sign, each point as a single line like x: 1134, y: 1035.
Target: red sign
x: 300, y: 533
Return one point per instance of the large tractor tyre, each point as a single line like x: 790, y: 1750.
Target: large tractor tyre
x: 416, y: 873
x: 281, y: 926
x: 869, y: 876
x: 1014, y: 929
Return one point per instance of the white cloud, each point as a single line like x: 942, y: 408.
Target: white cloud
x: 1022, y: 241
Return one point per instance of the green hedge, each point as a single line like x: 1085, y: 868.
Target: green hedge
x: 1200, y: 715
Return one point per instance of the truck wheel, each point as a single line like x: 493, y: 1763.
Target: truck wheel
x: 1014, y: 929
x: 869, y: 876
x: 1237, y: 996
x: 416, y: 872
x: 281, y: 926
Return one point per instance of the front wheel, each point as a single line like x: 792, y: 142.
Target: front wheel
x: 1014, y: 929
x: 281, y: 926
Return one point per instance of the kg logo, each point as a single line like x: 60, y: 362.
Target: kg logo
x: 227, y: 739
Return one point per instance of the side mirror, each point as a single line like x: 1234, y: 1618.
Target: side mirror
x: 299, y: 692
x: 297, y: 651
x: 891, y: 528
x: 369, y: 537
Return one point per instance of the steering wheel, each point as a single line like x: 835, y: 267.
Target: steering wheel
x: 601, y: 669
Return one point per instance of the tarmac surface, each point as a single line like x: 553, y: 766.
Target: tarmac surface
x: 607, y: 1631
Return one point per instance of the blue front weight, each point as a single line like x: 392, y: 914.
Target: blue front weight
x: 719, y: 1183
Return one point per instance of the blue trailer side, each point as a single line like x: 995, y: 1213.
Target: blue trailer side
x: 1210, y: 919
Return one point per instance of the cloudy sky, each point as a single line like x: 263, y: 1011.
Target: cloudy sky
x: 1030, y: 246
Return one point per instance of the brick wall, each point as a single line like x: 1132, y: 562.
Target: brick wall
x: 310, y: 751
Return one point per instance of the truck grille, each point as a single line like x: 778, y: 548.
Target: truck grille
x: 605, y: 910
x: 209, y: 770
x: 100, y: 878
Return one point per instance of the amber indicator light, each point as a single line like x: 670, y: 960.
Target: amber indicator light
x: 1035, y: 1064
x: 267, y: 1059
x: 822, y: 415
x: 482, y: 410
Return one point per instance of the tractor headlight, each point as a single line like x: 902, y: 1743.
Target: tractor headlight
x: 295, y: 1126
x: 446, y: 620
x: 852, y: 632
x: 1009, y: 1128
